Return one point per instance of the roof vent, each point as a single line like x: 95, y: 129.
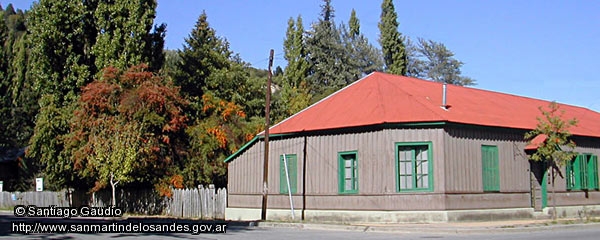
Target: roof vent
x: 445, y: 106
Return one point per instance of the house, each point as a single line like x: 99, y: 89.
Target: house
x: 390, y: 148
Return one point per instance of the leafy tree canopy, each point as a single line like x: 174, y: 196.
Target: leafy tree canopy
x: 432, y: 60
x: 558, y: 148
x: 128, y: 127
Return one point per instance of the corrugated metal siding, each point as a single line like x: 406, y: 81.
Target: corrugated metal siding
x: 255, y: 201
x: 396, y: 202
x: 389, y: 202
x: 456, y: 163
x: 487, y: 201
x: 244, y: 175
x: 245, y: 172
x: 277, y: 148
x: 376, y: 159
x: 463, y: 159
x: 244, y: 200
x: 575, y: 198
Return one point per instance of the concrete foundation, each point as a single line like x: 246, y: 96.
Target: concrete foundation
x: 344, y: 217
x: 582, y: 212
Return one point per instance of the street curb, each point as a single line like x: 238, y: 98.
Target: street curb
x: 425, y: 228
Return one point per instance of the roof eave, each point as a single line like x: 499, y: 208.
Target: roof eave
x: 259, y: 136
x: 250, y: 143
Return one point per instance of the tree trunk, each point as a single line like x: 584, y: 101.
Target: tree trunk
x: 553, y: 197
x: 114, y: 186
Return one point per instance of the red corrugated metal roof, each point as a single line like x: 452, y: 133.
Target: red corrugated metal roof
x: 384, y: 98
x: 536, y: 142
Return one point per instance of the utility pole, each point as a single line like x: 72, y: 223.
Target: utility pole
x: 263, y: 213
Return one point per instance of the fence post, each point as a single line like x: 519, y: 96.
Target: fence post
x: 212, y: 202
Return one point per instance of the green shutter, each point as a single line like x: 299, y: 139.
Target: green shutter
x: 577, y: 172
x: 490, y: 168
x: 584, y: 173
x: 293, y: 172
x: 592, y: 172
x: 570, y: 175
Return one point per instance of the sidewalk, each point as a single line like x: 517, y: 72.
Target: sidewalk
x: 442, y: 228
x: 526, y: 225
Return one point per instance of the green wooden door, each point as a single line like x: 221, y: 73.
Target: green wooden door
x: 490, y: 168
x: 545, y: 187
x: 292, y: 171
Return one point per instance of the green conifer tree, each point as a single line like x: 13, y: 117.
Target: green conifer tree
x: 203, y: 54
x: 329, y: 70
x: 58, y: 67
x: 391, y: 40
x: 294, y: 95
x: 363, y: 57
x: 125, y: 36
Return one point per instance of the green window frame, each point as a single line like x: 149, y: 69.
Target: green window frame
x: 582, y: 173
x: 490, y: 170
x: 414, y: 166
x: 348, y: 172
x: 292, y: 163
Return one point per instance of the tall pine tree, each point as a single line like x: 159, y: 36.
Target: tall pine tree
x: 203, y: 54
x: 294, y: 51
x: 5, y: 83
x: 217, y: 84
x: 125, y: 35
x: 294, y: 95
x: 391, y: 40
x: 23, y: 98
x: 18, y: 100
x: 59, y: 69
x: 326, y: 54
x: 363, y: 57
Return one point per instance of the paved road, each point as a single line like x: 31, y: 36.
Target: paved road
x: 242, y: 231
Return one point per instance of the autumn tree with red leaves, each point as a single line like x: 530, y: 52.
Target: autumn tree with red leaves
x: 128, y: 127
x: 222, y: 130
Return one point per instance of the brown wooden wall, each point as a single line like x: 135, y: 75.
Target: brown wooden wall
x: 464, y: 162
x: 376, y: 159
x: 376, y: 171
x: 457, y: 170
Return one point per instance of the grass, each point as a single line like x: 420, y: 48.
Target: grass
x: 7, y: 208
x: 595, y: 220
x: 573, y: 221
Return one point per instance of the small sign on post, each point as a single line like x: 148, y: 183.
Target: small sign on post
x: 39, y: 184
x: 1, y: 185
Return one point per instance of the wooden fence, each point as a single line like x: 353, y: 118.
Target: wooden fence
x: 201, y: 202
x: 8, y: 199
